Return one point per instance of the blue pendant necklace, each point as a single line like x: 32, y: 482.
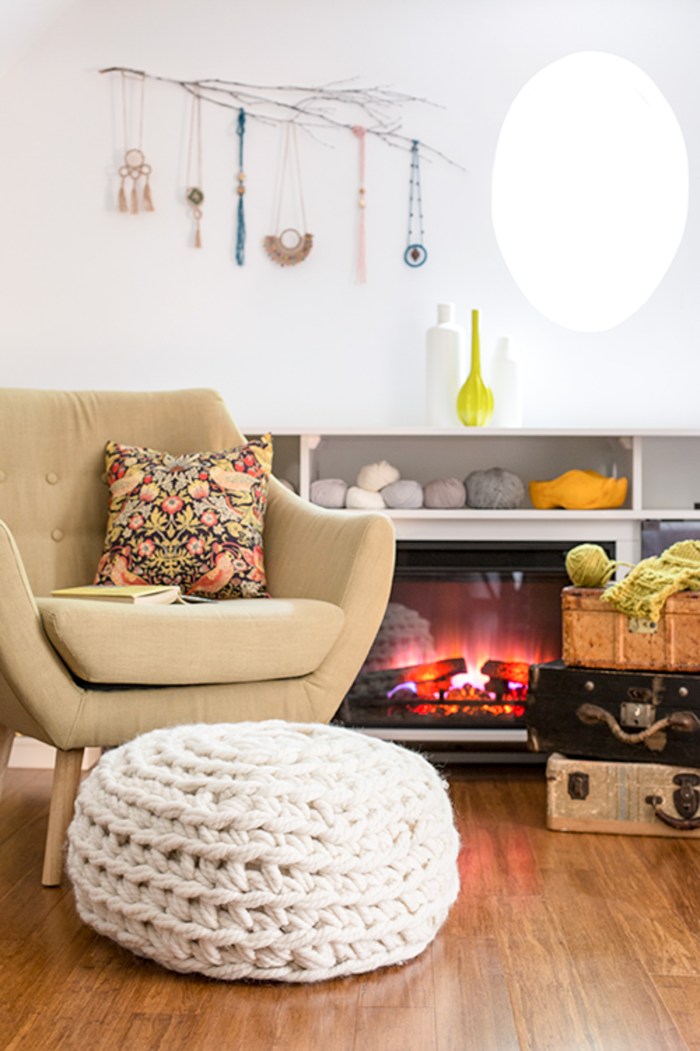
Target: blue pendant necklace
x: 416, y: 253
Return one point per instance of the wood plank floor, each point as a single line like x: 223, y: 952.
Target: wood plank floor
x: 558, y: 942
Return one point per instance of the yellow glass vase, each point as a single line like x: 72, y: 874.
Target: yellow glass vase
x: 475, y: 399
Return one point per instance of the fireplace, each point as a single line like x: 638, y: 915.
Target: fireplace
x: 464, y: 623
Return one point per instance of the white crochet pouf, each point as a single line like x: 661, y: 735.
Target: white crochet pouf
x: 269, y: 850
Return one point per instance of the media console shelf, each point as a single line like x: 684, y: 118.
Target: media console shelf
x: 662, y: 468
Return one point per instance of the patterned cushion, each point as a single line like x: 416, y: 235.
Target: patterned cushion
x: 194, y: 520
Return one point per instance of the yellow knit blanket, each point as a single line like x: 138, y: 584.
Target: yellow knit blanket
x: 643, y: 592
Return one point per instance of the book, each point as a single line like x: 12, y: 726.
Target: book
x: 131, y: 593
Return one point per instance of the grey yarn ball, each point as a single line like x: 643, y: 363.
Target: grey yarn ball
x: 445, y: 493
x: 494, y: 489
x: 374, y: 476
x: 329, y: 492
x: 404, y: 493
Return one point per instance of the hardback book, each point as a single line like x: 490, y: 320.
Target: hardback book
x: 130, y: 593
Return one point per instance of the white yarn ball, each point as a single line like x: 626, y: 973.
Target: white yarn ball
x: 269, y: 850
x: 328, y: 492
x: 364, y: 499
x: 403, y: 493
x: 374, y: 476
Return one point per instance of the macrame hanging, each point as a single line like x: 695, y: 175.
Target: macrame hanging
x: 195, y: 193
x: 359, y: 131
x: 240, y: 221
x: 416, y: 253
x: 134, y: 167
x: 288, y: 247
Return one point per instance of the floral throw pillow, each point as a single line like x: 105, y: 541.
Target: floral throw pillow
x: 194, y: 520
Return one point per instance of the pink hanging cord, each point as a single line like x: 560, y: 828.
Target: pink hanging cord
x: 359, y: 131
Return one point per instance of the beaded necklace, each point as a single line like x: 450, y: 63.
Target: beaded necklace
x: 416, y: 253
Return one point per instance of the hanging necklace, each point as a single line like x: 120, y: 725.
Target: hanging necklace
x: 416, y: 253
x: 240, y: 224
x: 134, y: 166
x: 289, y: 247
x: 195, y: 194
x: 359, y: 131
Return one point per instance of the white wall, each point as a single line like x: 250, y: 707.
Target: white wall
x: 93, y: 298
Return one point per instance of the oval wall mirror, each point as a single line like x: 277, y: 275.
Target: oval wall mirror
x: 590, y: 190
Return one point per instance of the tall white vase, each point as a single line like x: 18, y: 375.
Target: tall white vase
x: 507, y: 390
x: 446, y: 367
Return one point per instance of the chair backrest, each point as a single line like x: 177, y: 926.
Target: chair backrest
x: 53, y: 492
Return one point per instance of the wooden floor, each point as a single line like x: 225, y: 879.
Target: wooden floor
x: 558, y: 942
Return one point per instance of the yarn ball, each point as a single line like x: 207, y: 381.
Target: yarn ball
x: 329, y: 492
x: 494, y: 488
x: 264, y: 850
x: 403, y: 493
x: 445, y: 493
x: 364, y: 499
x: 402, y: 630
x: 374, y: 476
x: 588, y: 566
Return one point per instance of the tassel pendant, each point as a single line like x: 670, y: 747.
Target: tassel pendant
x: 197, y: 232
x: 123, y: 206
x: 134, y: 200
x: 147, y: 199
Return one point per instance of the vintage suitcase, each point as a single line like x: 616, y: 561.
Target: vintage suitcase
x: 636, y: 799
x: 606, y: 714
x: 594, y: 635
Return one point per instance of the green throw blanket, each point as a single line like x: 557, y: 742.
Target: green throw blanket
x: 643, y: 592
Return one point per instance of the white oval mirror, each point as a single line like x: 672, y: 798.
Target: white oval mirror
x: 590, y: 190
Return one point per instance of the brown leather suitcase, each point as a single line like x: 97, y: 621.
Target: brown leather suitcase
x: 595, y: 635
x: 619, y: 715
x: 634, y: 799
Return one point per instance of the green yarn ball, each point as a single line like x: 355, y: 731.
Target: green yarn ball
x: 588, y: 566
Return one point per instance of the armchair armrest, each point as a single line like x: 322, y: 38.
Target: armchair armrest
x: 37, y: 694
x: 344, y: 557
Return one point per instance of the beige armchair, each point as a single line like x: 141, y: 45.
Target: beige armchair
x: 80, y: 674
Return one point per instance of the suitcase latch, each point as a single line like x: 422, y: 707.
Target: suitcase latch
x: 642, y: 626
x: 635, y: 713
x: 578, y: 785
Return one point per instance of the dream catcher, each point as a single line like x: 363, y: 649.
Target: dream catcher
x: 195, y: 194
x: 416, y: 253
x: 134, y: 167
x: 289, y: 247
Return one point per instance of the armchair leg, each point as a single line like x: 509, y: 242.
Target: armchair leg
x: 66, y: 779
x: 7, y: 736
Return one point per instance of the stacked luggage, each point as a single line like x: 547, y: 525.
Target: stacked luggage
x: 620, y: 714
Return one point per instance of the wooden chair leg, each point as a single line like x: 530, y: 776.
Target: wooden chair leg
x: 7, y: 736
x: 66, y: 779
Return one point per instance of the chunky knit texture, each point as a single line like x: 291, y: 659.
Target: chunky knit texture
x: 269, y: 850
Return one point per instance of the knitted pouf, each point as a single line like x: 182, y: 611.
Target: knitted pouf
x: 269, y: 850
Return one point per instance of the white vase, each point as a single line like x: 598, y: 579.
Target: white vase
x: 446, y: 366
x: 507, y: 391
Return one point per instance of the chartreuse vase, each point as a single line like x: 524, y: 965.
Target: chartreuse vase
x: 475, y: 399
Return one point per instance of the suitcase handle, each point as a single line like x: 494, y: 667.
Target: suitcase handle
x: 686, y: 799
x: 686, y: 722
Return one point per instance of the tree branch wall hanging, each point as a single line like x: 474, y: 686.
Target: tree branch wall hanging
x: 313, y: 110
x: 288, y: 246
x: 134, y: 166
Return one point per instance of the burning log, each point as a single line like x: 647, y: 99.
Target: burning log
x: 373, y: 686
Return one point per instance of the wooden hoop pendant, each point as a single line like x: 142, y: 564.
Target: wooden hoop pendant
x: 288, y: 254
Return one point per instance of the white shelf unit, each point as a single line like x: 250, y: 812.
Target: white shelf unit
x: 662, y: 468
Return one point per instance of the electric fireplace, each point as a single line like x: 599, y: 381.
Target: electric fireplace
x: 464, y: 623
